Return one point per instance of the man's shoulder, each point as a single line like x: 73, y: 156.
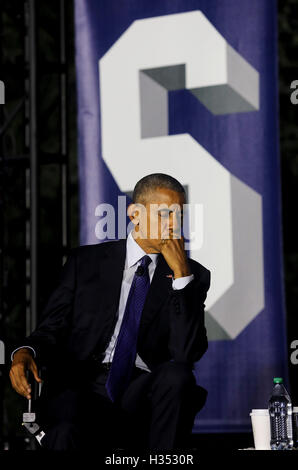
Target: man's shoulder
x: 97, y: 248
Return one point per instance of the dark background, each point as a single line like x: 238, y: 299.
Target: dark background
x: 14, y: 213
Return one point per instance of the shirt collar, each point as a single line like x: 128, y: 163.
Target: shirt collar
x: 134, y: 252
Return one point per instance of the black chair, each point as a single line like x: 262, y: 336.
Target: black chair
x: 32, y: 418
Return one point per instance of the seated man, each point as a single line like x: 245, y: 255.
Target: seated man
x: 120, y: 335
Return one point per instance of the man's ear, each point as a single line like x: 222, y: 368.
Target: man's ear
x: 133, y: 213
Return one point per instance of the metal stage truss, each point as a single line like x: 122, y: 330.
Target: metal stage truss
x: 31, y: 159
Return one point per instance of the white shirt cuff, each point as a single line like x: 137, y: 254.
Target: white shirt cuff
x: 28, y: 347
x: 181, y: 282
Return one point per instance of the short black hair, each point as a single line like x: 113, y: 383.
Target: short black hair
x: 154, y: 181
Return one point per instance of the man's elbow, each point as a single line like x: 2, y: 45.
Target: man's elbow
x: 201, y: 349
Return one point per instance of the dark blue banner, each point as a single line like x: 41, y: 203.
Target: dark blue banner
x: 189, y: 88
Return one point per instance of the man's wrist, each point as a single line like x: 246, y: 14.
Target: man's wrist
x: 22, y: 352
x: 181, y: 272
x: 181, y: 282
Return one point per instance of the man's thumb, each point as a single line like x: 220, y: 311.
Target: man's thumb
x: 34, y: 371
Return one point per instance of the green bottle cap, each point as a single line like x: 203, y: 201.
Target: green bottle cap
x: 277, y: 380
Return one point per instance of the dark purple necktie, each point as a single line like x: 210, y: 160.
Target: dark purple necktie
x: 126, y: 346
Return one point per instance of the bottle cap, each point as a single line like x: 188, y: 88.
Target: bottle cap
x: 277, y: 380
x: 295, y: 409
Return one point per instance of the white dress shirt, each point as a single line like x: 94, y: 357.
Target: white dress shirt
x: 134, y: 254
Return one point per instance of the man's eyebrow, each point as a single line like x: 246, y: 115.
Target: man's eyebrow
x: 166, y: 209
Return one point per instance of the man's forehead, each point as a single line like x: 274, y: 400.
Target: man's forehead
x: 167, y: 197
x: 166, y: 207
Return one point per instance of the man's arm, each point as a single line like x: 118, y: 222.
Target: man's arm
x: 53, y: 322
x: 188, y: 339
x: 50, y: 330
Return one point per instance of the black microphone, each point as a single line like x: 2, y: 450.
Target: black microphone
x: 140, y: 270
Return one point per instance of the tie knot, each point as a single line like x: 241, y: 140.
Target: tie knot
x: 146, y: 260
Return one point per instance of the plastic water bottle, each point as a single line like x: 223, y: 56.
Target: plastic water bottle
x: 280, y: 412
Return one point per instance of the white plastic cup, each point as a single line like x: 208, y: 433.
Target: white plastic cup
x: 260, y: 422
x: 295, y: 426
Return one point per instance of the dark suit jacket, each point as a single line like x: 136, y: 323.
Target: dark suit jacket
x: 79, y: 318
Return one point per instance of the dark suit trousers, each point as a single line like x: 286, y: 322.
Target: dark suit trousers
x: 157, y: 411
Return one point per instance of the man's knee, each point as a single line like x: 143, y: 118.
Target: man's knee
x: 177, y: 376
x: 62, y: 436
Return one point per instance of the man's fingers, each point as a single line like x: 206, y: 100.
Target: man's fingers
x: 13, y: 383
x: 24, y: 385
x: 19, y: 383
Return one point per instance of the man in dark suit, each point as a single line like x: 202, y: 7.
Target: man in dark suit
x: 120, y: 334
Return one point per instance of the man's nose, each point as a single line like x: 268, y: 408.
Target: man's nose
x: 176, y: 220
x: 176, y: 225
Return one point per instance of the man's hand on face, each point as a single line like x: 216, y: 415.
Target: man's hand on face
x: 23, y: 361
x: 175, y: 256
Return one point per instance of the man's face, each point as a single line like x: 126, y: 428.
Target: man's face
x: 159, y: 216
